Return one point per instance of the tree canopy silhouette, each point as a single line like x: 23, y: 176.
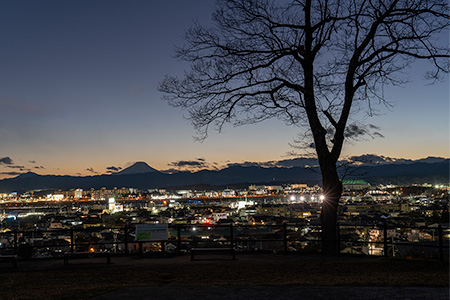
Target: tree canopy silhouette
x: 309, y: 63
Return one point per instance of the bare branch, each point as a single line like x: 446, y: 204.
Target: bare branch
x: 305, y: 62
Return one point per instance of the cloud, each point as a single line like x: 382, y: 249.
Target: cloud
x: 244, y: 164
x: 6, y: 161
x: 370, y: 158
x: 21, y: 168
x: 354, y: 131
x: 378, y: 134
x: 39, y: 167
x: 171, y: 171
x: 297, y: 162
x: 91, y: 170
x: 379, y: 159
x: 286, y: 163
x: 113, y: 169
x: 187, y: 163
x: 190, y: 164
x: 10, y: 173
x: 32, y: 161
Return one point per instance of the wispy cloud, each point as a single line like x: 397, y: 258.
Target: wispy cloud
x: 196, y: 163
x: 10, y: 173
x: 91, y: 170
x: 187, y: 163
x: 20, y: 168
x: 244, y: 164
x: 191, y: 165
x: 6, y: 161
x: 113, y: 169
x: 16, y: 167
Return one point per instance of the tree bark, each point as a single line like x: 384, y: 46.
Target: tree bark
x: 332, y: 188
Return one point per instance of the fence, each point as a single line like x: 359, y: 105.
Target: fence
x: 382, y: 240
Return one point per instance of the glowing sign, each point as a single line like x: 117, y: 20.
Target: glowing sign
x: 152, y: 232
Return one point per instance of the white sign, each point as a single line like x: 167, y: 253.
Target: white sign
x: 152, y: 232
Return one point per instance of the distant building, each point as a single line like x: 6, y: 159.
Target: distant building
x: 299, y: 186
x: 272, y: 210
x: 228, y: 193
x: 355, y: 185
x: 78, y: 193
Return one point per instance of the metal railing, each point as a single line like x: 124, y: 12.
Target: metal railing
x: 286, y: 238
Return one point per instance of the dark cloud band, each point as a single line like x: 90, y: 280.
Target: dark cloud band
x: 6, y: 160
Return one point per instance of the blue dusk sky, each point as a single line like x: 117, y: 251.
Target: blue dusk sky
x: 78, y: 94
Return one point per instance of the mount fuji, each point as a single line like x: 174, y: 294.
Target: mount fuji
x: 139, y: 167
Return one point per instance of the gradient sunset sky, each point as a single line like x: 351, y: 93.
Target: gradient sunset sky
x: 78, y: 94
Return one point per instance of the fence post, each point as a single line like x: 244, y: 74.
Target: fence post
x: 179, y: 238
x: 285, y: 241
x: 72, y: 241
x: 15, y: 242
x: 126, y: 239
x: 338, y: 238
x: 385, y: 240
x: 231, y: 236
x: 441, y: 243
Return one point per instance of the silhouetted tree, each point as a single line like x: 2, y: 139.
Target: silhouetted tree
x: 308, y: 63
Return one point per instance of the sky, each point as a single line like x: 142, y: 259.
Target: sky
x: 78, y: 95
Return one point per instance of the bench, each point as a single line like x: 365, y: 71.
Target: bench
x: 195, y: 251
x: 13, y: 257
x: 88, y: 254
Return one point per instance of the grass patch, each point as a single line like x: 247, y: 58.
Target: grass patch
x: 86, y: 280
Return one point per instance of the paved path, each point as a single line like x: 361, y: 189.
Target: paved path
x: 277, y: 293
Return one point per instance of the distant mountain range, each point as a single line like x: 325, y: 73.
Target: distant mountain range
x: 140, y: 175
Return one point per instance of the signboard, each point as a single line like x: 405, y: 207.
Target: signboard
x: 152, y: 232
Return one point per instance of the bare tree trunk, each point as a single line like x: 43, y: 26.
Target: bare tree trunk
x: 332, y: 188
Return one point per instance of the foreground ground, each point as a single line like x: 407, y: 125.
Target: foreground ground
x: 87, y: 278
